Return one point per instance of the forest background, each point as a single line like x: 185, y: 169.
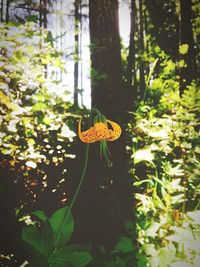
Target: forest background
x: 57, y: 57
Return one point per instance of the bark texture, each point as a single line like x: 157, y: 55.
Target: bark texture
x: 106, y: 70
x: 131, y: 70
x: 188, y: 72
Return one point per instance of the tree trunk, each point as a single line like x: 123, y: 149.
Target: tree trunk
x: 131, y: 71
x: 76, y: 43
x: 147, y: 46
x: 106, y: 73
x: 40, y: 13
x: 7, y: 10
x: 2, y: 10
x: 45, y: 14
x: 187, y: 72
x: 141, y: 41
x: 104, y: 200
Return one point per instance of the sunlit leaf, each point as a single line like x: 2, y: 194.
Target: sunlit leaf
x: 181, y: 264
x: 166, y: 256
x: 178, y: 199
x: 152, y: 230
x: 194, y: 215
x: 183, y: 49
x: 143, y: 181
x: 143, y: 155
x: 150, y: 250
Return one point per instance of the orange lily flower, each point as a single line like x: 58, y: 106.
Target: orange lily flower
x: 100, y: 132
x: 86, y: 136
x: 116, y: 132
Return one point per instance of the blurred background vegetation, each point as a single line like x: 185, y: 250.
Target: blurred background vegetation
x: 143, y: 74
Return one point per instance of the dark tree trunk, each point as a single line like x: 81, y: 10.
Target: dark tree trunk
x: 131, y: 70
x: 7, y: 10
x: 146, y: 23
x: 2, y: 10
x: 40, y: 13
x: 104, y: 200
x: 45, y: 14
x: 106, y: 71
x: 188, y: 72
x: 141, y: 41
x: 76, y: 41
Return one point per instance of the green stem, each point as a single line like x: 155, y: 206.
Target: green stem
x: 149, y: 77
x: 80, y: 182
x: 95, y: 110
x: 75, y: 195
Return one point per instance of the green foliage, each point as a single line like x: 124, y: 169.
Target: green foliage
x: 121, y: 255
x: 65, y: 229
x: 29, y: 112
x: 46, y: 249
x: 37, y: 127
x: 166, y: 172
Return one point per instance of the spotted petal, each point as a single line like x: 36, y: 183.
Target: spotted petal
x: 87, y: 136
x: 115, y: 132
x: 101, y: 131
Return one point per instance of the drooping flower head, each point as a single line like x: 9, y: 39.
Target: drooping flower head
x: 103, y: 130
x: 100, y: 131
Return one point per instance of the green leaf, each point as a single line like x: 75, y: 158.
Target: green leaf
x: 183, y: 49
x: 40, y: 215
x: 125, y: 245
x: 47, y: 239
x: 32, y: 238
x: 152, y: 230
x: 13, y: 24
x: 65, y: 255
x: 62, y: 227
x: 195, y: 215
x: 143, y: 181
x: 49, y: 38
x: 141, y: 260
x: 158, y: 202
x: 181, y: 264
x: 33, y: 18
x: 143, y: 155
x: 166, y: 256
x: 178, y: 199
x: 150, y: 250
